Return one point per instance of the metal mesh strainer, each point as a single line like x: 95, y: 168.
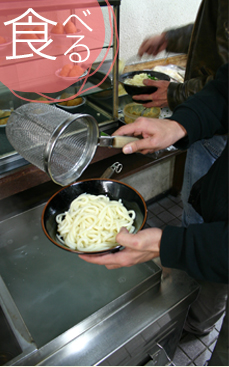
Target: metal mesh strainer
x: 59, y: 143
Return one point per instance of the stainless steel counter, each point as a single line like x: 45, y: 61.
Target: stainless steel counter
x: 64, y: 311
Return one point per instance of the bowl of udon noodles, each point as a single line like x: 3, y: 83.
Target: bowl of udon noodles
x: 85, y: 217
x: 133, y: 82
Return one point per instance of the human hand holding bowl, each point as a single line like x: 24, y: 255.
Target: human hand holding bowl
x: 157, y: 98
x: 144, y: 82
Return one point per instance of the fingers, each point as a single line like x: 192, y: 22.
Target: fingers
x: 153, y: 45
x: 148, y: 98
x: 153, y: 138
x: 147, y: 46
x: 156, y: 134
x: 143, y: 47
x: 141, y: 127
x: 111, y: 261
x: 140, y: 247
x: 152, y: 83
x: 143, y: 97
x: 142, y: 145
x: 124, y: 237
x: 98, y: 259
x: 129, y: 129
x: 162, y: 47
x: 146, y: 240
x: 156, y: 99
x: 115, y: 260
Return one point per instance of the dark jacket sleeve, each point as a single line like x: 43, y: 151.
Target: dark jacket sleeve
x: 196, y: 250
x: 202, y: 249
x: 207, y: 51
x: 177, y: 93
x: 178, y: 39
x: 205, y: 113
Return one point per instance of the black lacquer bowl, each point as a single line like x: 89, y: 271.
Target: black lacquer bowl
x: 134, y: 90
x: 115, y: 190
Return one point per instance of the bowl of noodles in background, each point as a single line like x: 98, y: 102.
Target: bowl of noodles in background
x: 73, y: 220
x: 133, y: 82
x: 134, y: 110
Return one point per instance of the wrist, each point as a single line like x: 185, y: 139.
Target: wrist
x: 179, y: 131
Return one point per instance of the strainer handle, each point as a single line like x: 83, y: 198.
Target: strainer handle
x: 115, y: 141
x: 121, y: 141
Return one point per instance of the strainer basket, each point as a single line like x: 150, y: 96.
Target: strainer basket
x: 59, y: 143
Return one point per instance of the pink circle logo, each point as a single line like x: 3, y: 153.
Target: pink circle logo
x: 45, y: 51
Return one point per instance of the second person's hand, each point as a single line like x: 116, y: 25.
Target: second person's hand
x: 153, y: 45
x: 156, y: 99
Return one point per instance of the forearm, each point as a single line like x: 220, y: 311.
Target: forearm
x: 178, y: 39
x: 205, y: 113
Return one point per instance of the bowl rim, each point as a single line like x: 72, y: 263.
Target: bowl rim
x: 135, y: 72
x: 113, y: 249
x: 138, y: 105
x: 71, y: 107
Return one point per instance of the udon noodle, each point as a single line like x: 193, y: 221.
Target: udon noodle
x: 92, y: 222
x: 137, y: 79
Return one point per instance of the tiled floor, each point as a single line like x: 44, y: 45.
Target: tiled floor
x: 192, y: 350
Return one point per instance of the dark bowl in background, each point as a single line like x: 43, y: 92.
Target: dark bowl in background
x: 115, y: 190
x: 134, y: 90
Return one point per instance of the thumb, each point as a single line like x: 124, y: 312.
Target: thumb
x: 150, y: 82
x: 124, y: 237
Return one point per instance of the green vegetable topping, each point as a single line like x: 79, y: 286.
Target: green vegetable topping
x: 152, y: 77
